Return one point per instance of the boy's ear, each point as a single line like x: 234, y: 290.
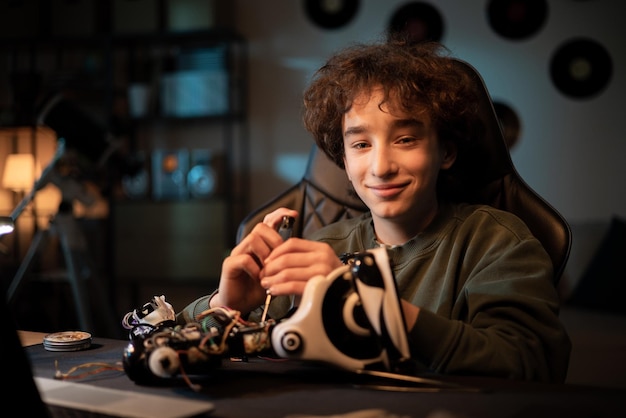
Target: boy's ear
x: 449, y: 154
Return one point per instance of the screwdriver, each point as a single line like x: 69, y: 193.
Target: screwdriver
x: 285, y: 230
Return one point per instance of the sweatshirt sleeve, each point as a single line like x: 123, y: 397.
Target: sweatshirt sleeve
x: 191, y: 311
x: 503, y: 320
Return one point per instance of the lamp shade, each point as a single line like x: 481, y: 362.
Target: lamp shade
x: 19, y: 172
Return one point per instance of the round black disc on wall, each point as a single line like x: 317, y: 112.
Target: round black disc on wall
x: 517, y: 19
x: 581, y: 68
x: 418, y: 21
x: 331, y: 14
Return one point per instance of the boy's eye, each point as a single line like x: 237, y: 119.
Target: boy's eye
x: 407, y: 139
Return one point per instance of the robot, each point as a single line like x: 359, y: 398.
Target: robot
x: 350, y: 319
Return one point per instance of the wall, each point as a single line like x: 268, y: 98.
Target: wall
x: 570, y: 151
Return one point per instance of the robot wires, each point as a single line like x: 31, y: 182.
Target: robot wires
x: 95, y: 367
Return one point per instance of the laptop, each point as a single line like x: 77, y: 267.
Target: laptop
x: 51, y: 398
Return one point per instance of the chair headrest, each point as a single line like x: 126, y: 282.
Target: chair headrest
x: 490, y: 158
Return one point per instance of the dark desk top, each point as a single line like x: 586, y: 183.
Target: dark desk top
x: 280, y: 388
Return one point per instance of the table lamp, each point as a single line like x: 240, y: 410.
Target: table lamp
x: 19, y: 172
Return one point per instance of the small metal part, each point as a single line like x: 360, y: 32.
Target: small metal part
x: 285, y: 230
x: 268, y: 299
x: 286, y: 227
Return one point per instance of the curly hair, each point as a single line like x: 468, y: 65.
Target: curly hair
x: 421, y: 75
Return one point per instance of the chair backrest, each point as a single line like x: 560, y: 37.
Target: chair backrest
x: 324, y: 195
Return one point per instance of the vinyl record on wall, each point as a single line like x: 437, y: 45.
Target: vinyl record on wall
x: 331, y: 14
x: 517, y: 19
x: 419, y: 21
x: 581, y: 68
x: 509, y: 123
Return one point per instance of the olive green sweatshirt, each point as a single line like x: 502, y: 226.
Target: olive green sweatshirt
x: 484, y: 284
x: 485, y: 287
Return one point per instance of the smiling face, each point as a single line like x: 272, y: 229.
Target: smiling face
x: 393, y: 161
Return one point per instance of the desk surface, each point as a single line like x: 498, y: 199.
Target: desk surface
x: 30, y: 337
x: 266, y: 388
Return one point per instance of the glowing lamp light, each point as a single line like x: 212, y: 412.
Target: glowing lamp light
x: 19, y: 172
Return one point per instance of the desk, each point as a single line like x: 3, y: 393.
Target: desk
x: 30, y: 337
x: 264, y: 388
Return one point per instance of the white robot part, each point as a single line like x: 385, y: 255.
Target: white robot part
x: 310, y: 335
x: 351, y: 318
x: 382, y: 304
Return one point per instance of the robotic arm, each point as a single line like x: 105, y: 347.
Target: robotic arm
x: 350, y: 319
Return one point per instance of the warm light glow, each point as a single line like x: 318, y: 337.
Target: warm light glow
x: 19, y: 172
x: 6, y: 228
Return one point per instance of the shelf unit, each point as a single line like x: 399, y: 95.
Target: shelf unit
x: 170, y: 221
x: 97, y: 70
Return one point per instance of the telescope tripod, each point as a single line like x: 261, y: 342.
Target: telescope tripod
x: 80, y: 271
